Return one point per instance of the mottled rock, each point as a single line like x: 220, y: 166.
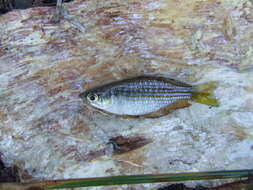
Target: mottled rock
x: 45, y: 128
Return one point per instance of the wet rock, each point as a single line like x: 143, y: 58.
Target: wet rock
x: 45, y: 128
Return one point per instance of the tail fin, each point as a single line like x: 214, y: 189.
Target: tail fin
x: 203, y: 93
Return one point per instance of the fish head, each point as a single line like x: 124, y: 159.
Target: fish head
x: 97, y: 98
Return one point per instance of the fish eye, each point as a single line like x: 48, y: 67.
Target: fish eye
x: 92, y: 97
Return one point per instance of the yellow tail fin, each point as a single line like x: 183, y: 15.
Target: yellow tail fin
x: 203, y: 93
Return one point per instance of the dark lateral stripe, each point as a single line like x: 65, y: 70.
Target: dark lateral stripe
x: 153, y: 90
x: 157, y: 96
x: 155, y: 87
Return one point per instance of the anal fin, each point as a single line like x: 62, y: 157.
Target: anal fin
x: 168, y: 109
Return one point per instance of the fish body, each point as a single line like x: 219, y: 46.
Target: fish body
x: 139, y: 96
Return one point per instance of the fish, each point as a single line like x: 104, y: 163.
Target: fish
x: 148, y: 96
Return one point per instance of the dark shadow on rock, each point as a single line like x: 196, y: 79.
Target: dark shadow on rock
x: 8, y: 174
x: 181, y: 186
x: 8, y: 5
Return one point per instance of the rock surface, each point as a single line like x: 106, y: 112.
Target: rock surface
x: 46, y: 130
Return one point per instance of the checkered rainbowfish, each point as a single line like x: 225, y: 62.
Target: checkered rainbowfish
x: 144, y: 96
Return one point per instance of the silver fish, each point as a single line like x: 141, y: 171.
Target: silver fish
x: 146, y: 95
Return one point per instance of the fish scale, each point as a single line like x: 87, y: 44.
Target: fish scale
x: 153, y: 91
x: 141, y: 97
